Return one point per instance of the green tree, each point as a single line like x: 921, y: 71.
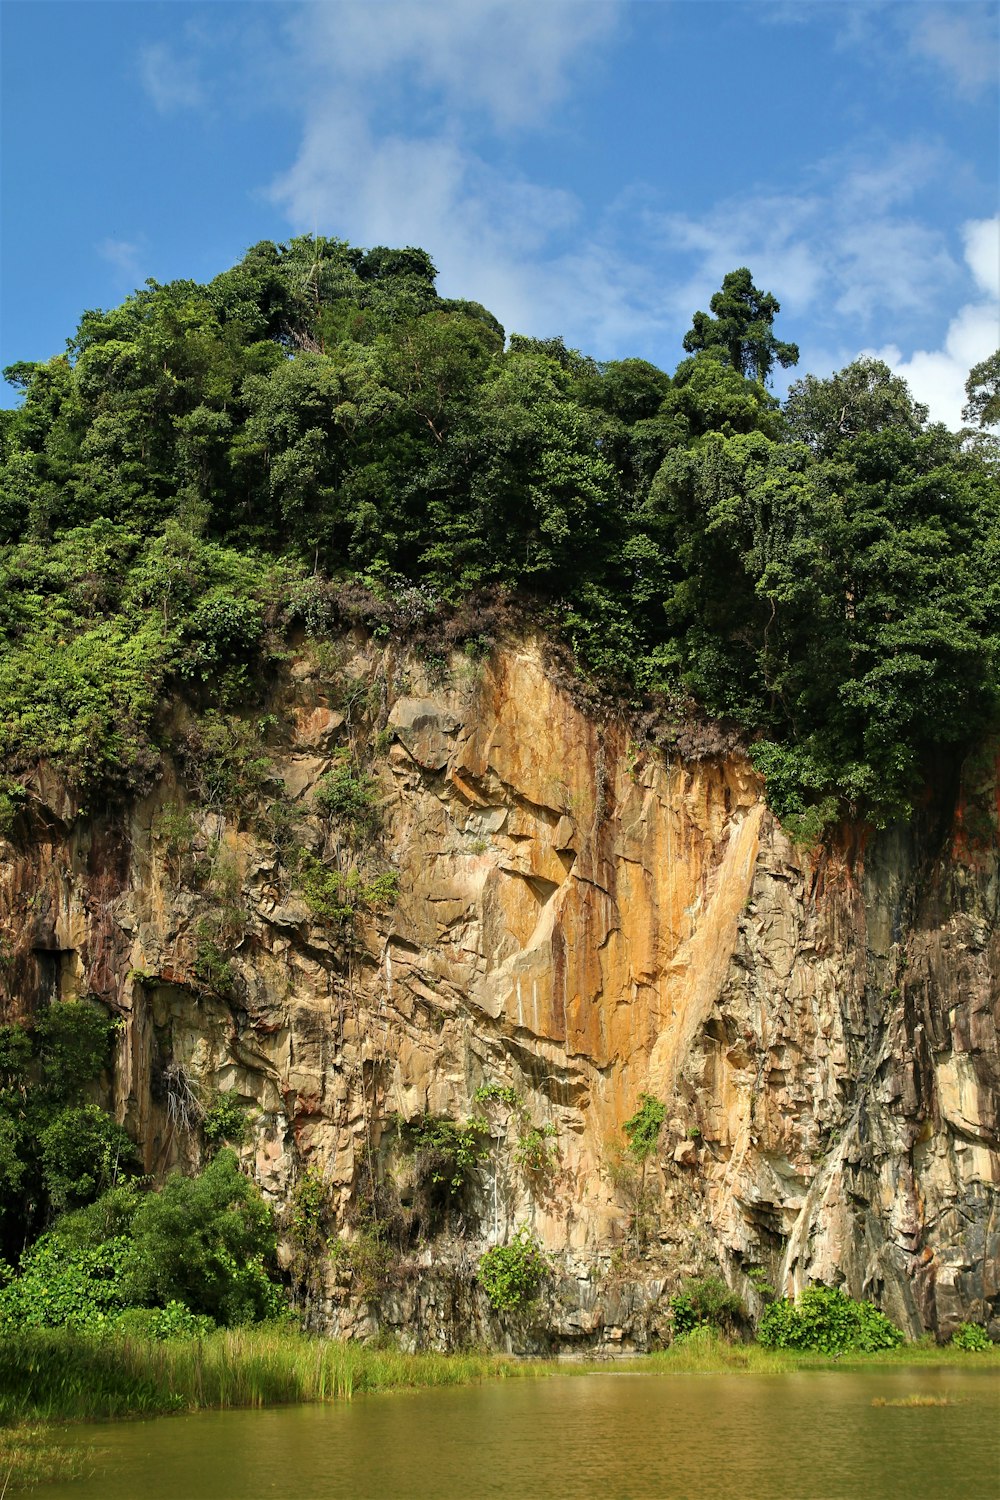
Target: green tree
x: 863, y: 398
x: 982, y: 391
x: 742, y: 328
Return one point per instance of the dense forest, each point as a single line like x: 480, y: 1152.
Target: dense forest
x: 210, y: 465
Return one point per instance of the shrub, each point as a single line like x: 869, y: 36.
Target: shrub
x: 826, y: 1321
x: 203, y: 1241
x: 175, y: 1321
x: 61, y: 1284
x: 226, y: 1120
x: 74, y: 1045
x: 971, y: 1337
x: 512, y: 1275
x: 225, y: 761
x: 368, y: 1258
x: 212, y: 969
x: 448, y: 1152
x: 705, y: 1301
x: 222, y: 633
x: 335, y: 898
x: 536, y: 1152
x: 348, y: 795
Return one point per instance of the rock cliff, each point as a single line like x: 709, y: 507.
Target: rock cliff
x: 582, y: 919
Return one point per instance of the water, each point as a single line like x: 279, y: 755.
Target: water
x: 808, y: 1436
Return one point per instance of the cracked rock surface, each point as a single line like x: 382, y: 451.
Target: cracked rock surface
x: 581, y: 919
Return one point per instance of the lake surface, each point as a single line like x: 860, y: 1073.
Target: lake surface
x: 806, y: 1436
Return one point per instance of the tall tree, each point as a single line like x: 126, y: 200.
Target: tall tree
x: 742, y: 328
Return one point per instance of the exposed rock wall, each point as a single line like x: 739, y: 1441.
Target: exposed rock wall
x: 582, y: 919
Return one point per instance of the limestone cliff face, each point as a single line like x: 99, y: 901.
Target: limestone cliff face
x: 582, y: 919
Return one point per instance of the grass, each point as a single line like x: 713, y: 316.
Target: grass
x: 28, y: 1456
x: 705, y: 1353
x: 916, y: 1400
x: 55, y: 1373
x: 50, y: 1374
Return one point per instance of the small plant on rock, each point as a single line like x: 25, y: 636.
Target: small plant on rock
x: 348, y: 796
x: 226, y: 1120
x: 512, y: 1275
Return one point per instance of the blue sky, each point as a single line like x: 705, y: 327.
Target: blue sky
x: 583, y: 167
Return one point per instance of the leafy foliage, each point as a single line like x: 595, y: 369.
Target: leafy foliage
x: 348, y: 795
x: 971, y: 1337
x: 705, y: 1301
x: 56, y: 1150
x: 643, y: 1129
x: 448, y: 1152
x: 827, y: 1321
x: 225, y: 1119
x: 177, y: 490
x: 203, y: 1241
x: 83, y: 1151
x: 512, y: 1275
x: 335, y: 897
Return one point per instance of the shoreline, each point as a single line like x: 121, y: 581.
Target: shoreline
x: 51, y: 1379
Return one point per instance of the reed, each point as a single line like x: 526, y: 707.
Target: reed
x: 29, y: 1456
x: 60, y: 1374
x: 915, y: 1401
x: 55, y: 1373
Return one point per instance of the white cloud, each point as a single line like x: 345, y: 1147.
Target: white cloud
x: 937, y: 377
x: 122, y: 254
x: 396, y: 97
x: 982, y: 252
x: 171, y: 79
x: 509, y: 61
x: 958, y: 40
x: 961, y: 39
x: 844, y: 249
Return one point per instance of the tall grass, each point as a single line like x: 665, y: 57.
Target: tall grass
x: 61, y: 1374
x: 56, y: 1373
x: 706, y: 1352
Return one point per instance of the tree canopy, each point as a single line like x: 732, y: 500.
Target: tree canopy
x: 176, y: 486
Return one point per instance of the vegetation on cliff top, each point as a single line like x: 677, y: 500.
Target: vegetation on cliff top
x: 209, y: 465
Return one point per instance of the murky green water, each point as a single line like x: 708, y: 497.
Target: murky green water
x: 809, y: 1436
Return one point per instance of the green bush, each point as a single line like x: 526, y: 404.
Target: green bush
x: 512, y: 1275
x: 971, y: 1337
x: 705, y: 1301
x: 226, y: 1120
x: 73, y: 1041
x: 826, y: 1321
x: 55, y: 1151
x: 204, y: 1241
x: 447, y: 1152
x: 175, y: 1321
x: 65, y: 1285
x: 348, y: 795
x: 335, y: 897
